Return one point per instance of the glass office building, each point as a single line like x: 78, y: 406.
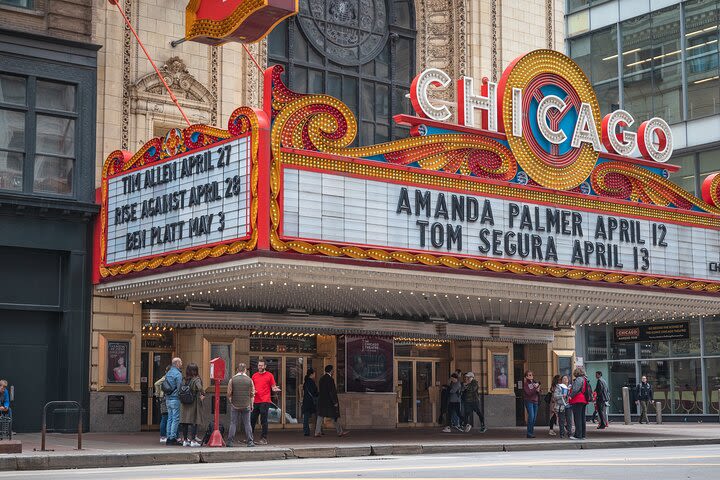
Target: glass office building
x: 657, y: 58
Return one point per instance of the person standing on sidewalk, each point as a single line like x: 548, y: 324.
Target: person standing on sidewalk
x: 644, y: 395
x: 551, y: 402
x: 471, y: 402
x: 265, y: 385
x: 174, y: 379
x: 160, y: 396
x: 454, y: 404
x: 241, y: 393
x: 562, y: 408
x: 579, y: 393
x: 602, y: 398
x: 328, y: 404
x: 310, y: 397
x: 191, y: 414
x: 531, y: 397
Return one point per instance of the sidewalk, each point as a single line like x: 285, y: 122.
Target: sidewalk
x: 137, y: 449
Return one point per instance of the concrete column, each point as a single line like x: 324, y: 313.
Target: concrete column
x: 658, y: 413
x: 626, y: 404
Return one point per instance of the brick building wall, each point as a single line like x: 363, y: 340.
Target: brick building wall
x: 63, y: 19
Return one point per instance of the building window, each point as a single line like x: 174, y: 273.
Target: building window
x: 363, y: 56
x: 18, y: 3
x: 37, y: 135
x: 685, y: 177
x: 702, y: 67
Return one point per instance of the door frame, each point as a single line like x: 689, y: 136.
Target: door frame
x: 146, y: 424
x: 283, y: 356
x: 414, y: 360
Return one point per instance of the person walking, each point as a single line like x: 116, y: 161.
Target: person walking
x: 265, y: 385
x: 160, y: 396
x: 328, y: 403
x: 241, y: 394
x: 173, y: 379
x: 578, y: 400
x: 644, y: 395
x: 551, y: 401
x: 561, y: 407
x: 531, y: 397
x: 310, y: 398
x: 191, y: 408
x: 5, y: 399
x: 602, y: 399
x: 471, y: 402
x: 454, y: 399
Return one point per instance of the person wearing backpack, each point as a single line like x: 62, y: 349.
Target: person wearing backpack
x: 191, y: 395
x: 580, y: 395
x: 170, y: 386
x: 160, y: 396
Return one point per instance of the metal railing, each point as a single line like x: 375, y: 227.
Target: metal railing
x: 55, y: 403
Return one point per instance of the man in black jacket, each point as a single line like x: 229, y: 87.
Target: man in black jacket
x: 601, y: 400
x: 471, y: 402
x: 328, y: 403
x: 644, y: 395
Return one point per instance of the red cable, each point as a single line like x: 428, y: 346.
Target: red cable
x: 162, y: 79
x: 252, y: 58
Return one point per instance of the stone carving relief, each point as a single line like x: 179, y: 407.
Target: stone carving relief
x: 441, y: 31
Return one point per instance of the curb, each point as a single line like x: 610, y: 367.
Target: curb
x: 14, y: 462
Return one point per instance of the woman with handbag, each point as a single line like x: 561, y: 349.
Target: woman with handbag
x: 561, y: 407
x: 191, y: 408
x: 309, y: 403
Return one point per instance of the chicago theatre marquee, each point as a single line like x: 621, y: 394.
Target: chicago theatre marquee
x: 506, y: 219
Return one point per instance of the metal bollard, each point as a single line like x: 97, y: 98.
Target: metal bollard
x: 658, y: 413
x: 626, y: 404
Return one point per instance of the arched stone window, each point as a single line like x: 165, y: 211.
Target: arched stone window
x: 360, y: 51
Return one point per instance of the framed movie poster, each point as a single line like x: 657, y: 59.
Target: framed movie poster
x: 369, y: 364
x: 499, y: 362
x: 117, y: 362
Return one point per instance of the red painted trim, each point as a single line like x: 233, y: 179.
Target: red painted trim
x: 180, y: 155
x: 267, y: 92
x: 264, y: 168
x: 391, y: 166
x: 411, y: 121
x: 97, y: 232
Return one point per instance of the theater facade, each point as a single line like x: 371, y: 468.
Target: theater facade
x: 506, y: 220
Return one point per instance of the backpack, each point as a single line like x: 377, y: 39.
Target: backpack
x: 588, y: 391
x: 185, y: 394
x: 166, y: 387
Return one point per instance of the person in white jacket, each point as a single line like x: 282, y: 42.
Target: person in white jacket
x: 560, y: 407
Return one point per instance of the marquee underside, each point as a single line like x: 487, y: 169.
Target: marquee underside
x: 283, y: 283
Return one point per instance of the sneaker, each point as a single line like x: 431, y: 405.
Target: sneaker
x: 194, y: 444
x: 530, y: 436
x: 262, y: 441
x: 552, y: 433
x: 186, y: 443
x: 228, y: 444
x: 344, y: 433
x: 468, y: 427
x: 483, y: 429
x: 171, y: 442
x: 446, y: 430
x: 458, y: 428
x: 572, y: 437
x: 163, y: 439
x: 251, y: 444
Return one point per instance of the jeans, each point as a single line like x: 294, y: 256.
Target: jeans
x: 565, y: 422
x: 261, y: 410
x: 643, y: 411
x: 532, y: 409
x: 306, y: 422
x: 238, y: 415
x: 473, y: 407
x: 319, y: 423
x: 163, y: 425
x: 173, y: 421
x: 602, y: 414
x: 454, y: 414
x: 578, y: 412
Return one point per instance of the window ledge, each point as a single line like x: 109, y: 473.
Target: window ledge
x: 26, y: 11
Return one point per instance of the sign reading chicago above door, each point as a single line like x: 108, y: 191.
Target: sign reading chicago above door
x: 530, y: 190
x: 530, y: 180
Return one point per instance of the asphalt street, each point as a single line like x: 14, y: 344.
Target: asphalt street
x: 671, y: 463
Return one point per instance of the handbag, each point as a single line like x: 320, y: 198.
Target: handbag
x: 274, y: 414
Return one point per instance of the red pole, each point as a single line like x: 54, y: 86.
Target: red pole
x: 162, y: 79
x: 216, y: 439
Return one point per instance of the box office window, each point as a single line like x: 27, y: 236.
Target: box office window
x: 362, y: 55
